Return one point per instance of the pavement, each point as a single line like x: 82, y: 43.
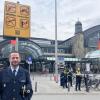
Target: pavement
x: 48, y: 89
x: 66, y: 97
x: 44, y: 84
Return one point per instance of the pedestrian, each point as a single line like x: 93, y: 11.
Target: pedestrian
x: 62, y: 79
x: 15, y: 83
x: 78, y: 79
x: 65, y: 77
x: 70, y: 75
x: 86, y: 80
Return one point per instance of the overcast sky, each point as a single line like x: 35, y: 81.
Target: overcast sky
x: 69, y: 11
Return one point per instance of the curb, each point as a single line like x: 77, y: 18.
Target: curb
x: 66, y: 93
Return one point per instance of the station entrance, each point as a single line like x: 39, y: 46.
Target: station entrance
x: 26, y: 48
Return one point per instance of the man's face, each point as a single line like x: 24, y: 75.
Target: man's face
x: 14, y: 59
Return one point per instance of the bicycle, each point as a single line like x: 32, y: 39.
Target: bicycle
x: 94, y: 84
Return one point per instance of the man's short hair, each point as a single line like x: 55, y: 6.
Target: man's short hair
x: 14, y: 52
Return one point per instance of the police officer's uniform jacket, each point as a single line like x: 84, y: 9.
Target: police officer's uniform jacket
x: 11, y: 86
x: 78, y: 73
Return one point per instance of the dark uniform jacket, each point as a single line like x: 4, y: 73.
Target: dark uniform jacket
x: 11, y: 87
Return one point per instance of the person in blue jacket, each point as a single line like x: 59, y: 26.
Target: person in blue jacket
x: 15, y: 83
x: 62, y: 79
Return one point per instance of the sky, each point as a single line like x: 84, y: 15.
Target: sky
x: 68, y: 13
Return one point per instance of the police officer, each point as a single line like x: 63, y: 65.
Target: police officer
x: 15, y: 83
x: 78, y: 79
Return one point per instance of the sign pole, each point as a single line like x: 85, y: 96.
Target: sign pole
x: 29, y: 61
x: 16, y: 46
x: 29, y: 68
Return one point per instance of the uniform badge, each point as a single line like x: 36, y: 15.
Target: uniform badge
x: 23, y: 81
x: 4, y: 85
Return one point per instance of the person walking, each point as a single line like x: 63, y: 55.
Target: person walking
x: 15, y: 83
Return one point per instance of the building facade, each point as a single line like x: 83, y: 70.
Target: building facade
x: 42, y: 51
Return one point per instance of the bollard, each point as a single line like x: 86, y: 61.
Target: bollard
x: 50, y: 76
x: 87, y: 83
x: 33, y: 77
x: 35, y: 86
x: 68, y: 87
x: 56, y: 78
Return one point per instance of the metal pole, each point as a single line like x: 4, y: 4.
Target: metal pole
x: 16, y: 46
x: 56, y: 44
x: 29, y: 68
x: 35, y: 86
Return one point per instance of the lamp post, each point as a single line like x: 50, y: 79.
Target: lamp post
x: 56, y: 45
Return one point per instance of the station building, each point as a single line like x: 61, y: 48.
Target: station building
x: 42, y: 51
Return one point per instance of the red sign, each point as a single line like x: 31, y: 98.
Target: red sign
x: 13, y: 42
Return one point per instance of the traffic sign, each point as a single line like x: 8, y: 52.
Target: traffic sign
x: 29, y: 60
x: 16, y: 20
x: 61, y: 60
x: 24, y: 10
x: 24, y: 23
x: 11, y: 7
x: 11, y: 21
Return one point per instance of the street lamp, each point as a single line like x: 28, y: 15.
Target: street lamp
x: 56, y: 45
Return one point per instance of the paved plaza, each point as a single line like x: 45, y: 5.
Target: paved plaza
x: 66, y: 97
x: 45, y: 88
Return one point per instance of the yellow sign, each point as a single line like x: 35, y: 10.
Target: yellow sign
x: 24, y: 23
x: 16, y: 20
x: 24, y: 10
x: 11, y: 21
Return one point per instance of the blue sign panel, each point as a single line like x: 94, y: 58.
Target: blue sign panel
x: 29, y: 60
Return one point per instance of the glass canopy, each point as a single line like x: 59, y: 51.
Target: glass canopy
x: 93, y: 54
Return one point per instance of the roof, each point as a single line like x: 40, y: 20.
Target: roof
x: 93, y: 54
x: 78, y: 23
